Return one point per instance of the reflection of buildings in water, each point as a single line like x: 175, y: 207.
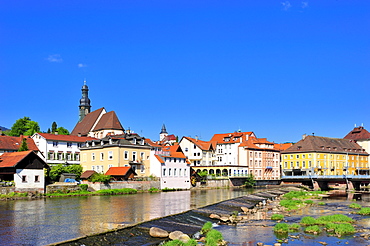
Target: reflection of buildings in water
x: 365, y: 197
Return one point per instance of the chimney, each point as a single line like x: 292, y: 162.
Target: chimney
x: 304, y: 136
x: 56, y: 133
x: 196, y: 138
x: 79, y: 134
x: 246, y: 137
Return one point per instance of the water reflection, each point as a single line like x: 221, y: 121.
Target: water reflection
x: 40, y: 222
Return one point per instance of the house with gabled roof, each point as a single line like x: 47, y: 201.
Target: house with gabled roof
x: 12, y: 144
x: 361, y: 136
x: 261, y: 157
x: 26, y: 168
x: 172, y: 167
x: 99, y: 124
x: 126, y: 150
x: 59, y: 149
x: 198, y: 152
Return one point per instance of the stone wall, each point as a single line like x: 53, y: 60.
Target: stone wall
x: 62, y: 186
x: 138, y: 185
x: 6, y: 190
x: 214, y: 183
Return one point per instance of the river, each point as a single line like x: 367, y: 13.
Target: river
x: 50, y: 220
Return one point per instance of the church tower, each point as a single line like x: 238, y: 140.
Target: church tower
x: 85, y: 106
x: 163, y: 133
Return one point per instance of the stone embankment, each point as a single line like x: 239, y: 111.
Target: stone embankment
x: 188, y: 223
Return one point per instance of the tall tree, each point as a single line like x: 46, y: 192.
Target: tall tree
x: 33, y: 127
x: 24, y: 146
x: 54, y: 127
x: 48, y: 131
x: 62, y: 131
x: 19, y: 127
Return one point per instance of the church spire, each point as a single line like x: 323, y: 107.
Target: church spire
x: 163, y: 133
x: 85, y: 106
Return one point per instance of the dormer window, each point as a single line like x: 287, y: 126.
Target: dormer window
x: 227, y: 139
x: 93, y: 144
x: 110, y: 141
x: 101, y: 143
x: 134, y: 140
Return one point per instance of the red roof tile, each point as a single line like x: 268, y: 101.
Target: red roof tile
x: 86, y: 125
x: 203, y: 145
x: 108, y: 121
x: 234, y: 137
x: 11, y: 159
x: 66, y: 138
x: 358, y: 133
x: 118, y: 171
x: 13, y: 143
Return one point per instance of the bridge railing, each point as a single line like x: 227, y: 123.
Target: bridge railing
x: 327, y: 177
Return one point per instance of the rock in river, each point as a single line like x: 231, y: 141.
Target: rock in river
x: 157, y: 232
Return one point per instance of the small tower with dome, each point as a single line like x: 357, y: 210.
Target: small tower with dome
x: 85, y: 106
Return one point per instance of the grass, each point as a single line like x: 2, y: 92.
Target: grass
x: 213, y: 238
x: 308, y: 221
x: 191, y: 242
x: 153, y: 189
x: 281, y: 228
x: 308, y: 201
x: 206, y: 227
x: 335, y: 218
x: 291, y: 204
x: 355, y: 206
x: 277, y: 217
x: 340, y: 229
x: 321, y: 203
x: 13, y: 195
x: 99, y: 192
x: 364, y: 211
x: 294, y: 227
x: 313, y: 229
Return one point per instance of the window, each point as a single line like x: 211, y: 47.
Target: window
x: 102, y: 156
x: 174, y: 172
x: 60, y: 156
x: 304, y: 164
x: 78, y: 157
x: 110, y: 165
x: 186, y: 149
x: 134, y: 156
x: 180, y: 172
x: 297, y: 164
x: 286, y: 164
x: 126, y: 155
x: 97, y: 169
x: 37, y: 179
x: 69, y: 156
x: 164, y: 171
x: 69, y: 145
x: 195, y: 146
x: 142, y: 156
x: 24, y: 179
x: 79, y: 145
x: 169, y: 171
x: 110, y: 155
x: 55, y: 144
x: 142, y: 169
x: 93, y: 156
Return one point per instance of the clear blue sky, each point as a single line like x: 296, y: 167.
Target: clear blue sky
x: 278, y: 68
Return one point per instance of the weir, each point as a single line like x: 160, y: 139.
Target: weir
x: 189, y: 222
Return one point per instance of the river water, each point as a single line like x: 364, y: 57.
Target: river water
x: 50, y: 220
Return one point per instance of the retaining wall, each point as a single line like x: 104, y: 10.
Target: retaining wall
x: 138, y: 185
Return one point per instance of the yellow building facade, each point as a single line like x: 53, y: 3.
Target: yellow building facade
x: 100, y: 155
x: 324, y: 156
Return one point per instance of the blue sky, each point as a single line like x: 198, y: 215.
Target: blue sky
x: 278, y: 68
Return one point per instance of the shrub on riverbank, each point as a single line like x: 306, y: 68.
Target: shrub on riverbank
x: 191, y: 242
x: 213, y: 238
x: 364, y: 211
x: 117, y: 191
x: 340, y: 229
x: 13, y: 195
x: 153, y: 189
x: 99, y: 192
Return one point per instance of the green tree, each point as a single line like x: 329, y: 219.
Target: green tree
x: 24, y: 146
x: 33, y: 127
x: 99, y: 177
x: 48, y: 131
x: 24, y: 126
x: 54, y: 127
x: 19, y: 127
x: 57, y: 170
x: 76, y: 169
x: 62, y: 131
x: 250, y: 181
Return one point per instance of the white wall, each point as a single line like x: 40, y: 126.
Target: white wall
x: 178, y: 177
x: 30, y: 178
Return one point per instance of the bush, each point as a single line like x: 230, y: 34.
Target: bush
x: 152, y: 189
x: 281, y: 228
x: 191, y: 242
x: 364, y: 211
x: 83, y: 187
x: 290, y: 204
x: 117, y: 191
x: 312, y: 229
x: 321, y: 203
x: 250, y: 182
x: 355, y: 206
x: 206, y: 227
x: 277, y: 217
x: 308, y: 220
x: 213, y: 238
x: 308, y: 201
x: 98, y: 177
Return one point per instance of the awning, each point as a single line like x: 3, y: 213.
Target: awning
x: 269, y: 167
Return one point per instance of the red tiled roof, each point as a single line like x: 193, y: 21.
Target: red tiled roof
x: 159, y: 158
x: 87, y: 174
x: 85, y: 126
x: 66, y: 138
x: 11, y: 159
x: 13, y: 143
x: 234, y: 137
x: 118, y: 171
x: 282, y: 146
x: 108, y: 121
x: 358, y: 133
x: 151, y: 143
x: 203, y: 145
